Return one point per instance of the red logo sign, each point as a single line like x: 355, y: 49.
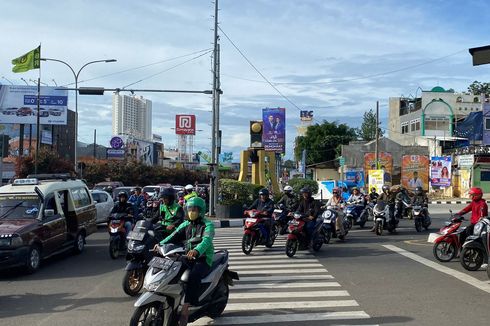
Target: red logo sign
x: 185, y: 124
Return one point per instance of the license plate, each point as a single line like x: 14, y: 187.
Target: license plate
x: 162, y: 263
x: 137, y: 236
x: 294, y: 222
x: 278, y: 211
x: 432, y: 237
x: 251, y: 220
x: 327, y: 220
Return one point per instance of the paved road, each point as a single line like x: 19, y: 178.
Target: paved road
x: 367, y: 280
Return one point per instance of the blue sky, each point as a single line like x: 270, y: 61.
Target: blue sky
x: 314, y: 52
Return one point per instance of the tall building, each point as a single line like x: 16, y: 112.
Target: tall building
x: 131, y: 115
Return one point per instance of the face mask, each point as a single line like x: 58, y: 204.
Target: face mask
x: 193, y: 215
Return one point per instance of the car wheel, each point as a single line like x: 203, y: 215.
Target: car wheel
x: 79, y: 244
x: 33, y: 260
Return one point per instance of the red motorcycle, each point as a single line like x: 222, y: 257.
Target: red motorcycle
x: 256, y: 232
x: 447, y: 242
x: 117, y: 234
x: 299, y: 240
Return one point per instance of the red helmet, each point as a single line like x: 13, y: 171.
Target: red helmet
x: 476, y: 193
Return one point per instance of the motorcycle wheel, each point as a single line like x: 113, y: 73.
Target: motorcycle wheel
x: 471, y: 259
x: 379, y: 228
x: 220, y: 299
x: 291, y: 247
x: 488, y: 271
x: 272, y: 237
x: 247, y: 244
x: 150, y: 314
x: 114, y: 249
x: 133, y: 282
x: 418, y: 226
x: 317, y: 244
x: 328, y: 236
x: 444, y: 251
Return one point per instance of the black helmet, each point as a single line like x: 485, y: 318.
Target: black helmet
x: 122, y: 194
x: 264, y: 192
x: 305, y: 190
x: 373, y: 189
x: 419, y: 190
x: 168, y: 193
x: 386, y: 188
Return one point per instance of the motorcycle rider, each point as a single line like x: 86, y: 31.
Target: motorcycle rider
x: 388, y: 197
x: 124, y: 207
x: 171, y: 212
x: 420, y: 198
x: 138, y: 200
x: 373, y: 195
x: 401, y: 196
x: 478, y: 208
x: 180, y: 198
x: 356, y: 197
x: 189, y: 192
x: 310, y: 208
x: 201, y: 254
x: 266, y: 206
x: 337, y: 202
x: 289, y: 199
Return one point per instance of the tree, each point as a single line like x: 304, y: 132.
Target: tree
x: 289, y: 164
x: 368, y: 128
x: 49, y: 162
x: 478, y: 88
x: 322, y: 141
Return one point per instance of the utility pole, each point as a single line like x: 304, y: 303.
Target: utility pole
x: 215, y: 143
x: 95, y: 145
x: 376, y: 148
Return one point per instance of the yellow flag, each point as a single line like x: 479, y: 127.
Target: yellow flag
x: 30, y: 60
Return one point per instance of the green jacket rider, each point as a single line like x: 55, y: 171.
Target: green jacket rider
x: 171, y: 212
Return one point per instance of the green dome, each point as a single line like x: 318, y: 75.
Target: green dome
x: 438, y: 89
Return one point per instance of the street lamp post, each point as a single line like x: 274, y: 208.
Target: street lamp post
x: 76, y: 75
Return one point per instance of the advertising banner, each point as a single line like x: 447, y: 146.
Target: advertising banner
x: 464, y: 182
x: 385, y: 163
x: 415, y: 171
x: 356, y: 176
x: 440, y: 171
x: 376, y: 180
x: 486, y: 124
x: 274, y: 133
x: 466, y: 161
x: 185, y: 124
x: 46, y: 137
x: 115, y: 154
x: 18, y: 104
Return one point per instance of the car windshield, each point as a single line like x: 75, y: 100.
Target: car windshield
x: 150, y: 189
x: 15, y: 207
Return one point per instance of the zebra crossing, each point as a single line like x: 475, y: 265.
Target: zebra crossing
x: 276, y: 289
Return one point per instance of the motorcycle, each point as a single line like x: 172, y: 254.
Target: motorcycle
x: 256, y: 231
x: 330, y: 215
x: 382, y: 219
x: 164, y: 285
x: 298, y: 238
x: 117, y: 234
x: 143, y: 237
x: 403, y: 208
x: 356, y: 213
x: 421, y: 217
x: 477, y: 246
x: 280, y: 216
x: 447, y: 241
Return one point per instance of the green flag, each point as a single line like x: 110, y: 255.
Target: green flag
x: 30, y: 60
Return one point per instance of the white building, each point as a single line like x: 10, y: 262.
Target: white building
x: 131, y: 115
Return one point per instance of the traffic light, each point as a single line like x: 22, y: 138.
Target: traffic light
x: 256, y: 133
x: 4, y: 145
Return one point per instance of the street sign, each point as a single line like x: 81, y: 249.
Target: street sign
x: 342, y: 161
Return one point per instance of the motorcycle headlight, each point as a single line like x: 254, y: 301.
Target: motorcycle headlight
x: 135, y: 247
x: 478, y: 228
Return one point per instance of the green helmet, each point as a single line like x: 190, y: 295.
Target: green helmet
x: 197, y: 202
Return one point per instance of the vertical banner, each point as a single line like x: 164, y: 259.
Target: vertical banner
x: 385, y: 163
x: 440, y: 171
x: 274, y: 133
x: 355, y: 176
x: 486, y: 124
x: 376, y: 180
x: 415, y: 171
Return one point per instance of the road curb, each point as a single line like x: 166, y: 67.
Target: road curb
x: 228, y: 223
x: 446, y: 202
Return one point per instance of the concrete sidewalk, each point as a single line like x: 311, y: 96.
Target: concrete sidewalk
x: 228, y: 223
x: 446, y: 201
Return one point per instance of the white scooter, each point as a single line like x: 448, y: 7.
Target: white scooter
x: 165, y: 281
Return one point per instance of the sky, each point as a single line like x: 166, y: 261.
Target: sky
x: 336, y: 58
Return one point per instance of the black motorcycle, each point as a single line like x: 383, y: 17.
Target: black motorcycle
x: 140, y: 241
x: 281, y: 219
x: 476, y: 247
x: 421, y: 217
x: 382, y: 218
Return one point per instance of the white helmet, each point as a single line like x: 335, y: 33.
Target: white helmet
x: 288, y: 189
x: 189, y: 187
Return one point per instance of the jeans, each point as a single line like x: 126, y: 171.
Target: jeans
x: 310, y: 228
x: 197, y: 272
x: 339, y: 223
x: 128, y: 226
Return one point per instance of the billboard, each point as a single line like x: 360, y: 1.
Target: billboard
x: 385, y: 163
x: 440, y: 171
x: 376, y: 180
x: 185, y: 124
x: 18, y: 104
x: 306, y: 115
x: 415, y: 171
x: 356, y: 176
x: 274, y: 133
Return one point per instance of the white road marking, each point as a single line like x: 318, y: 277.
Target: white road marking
x: 276, y: 266
x: 261, y: 251
x: 294, y: 271
x: 271, y: 260
x: 283, y: 318
x: 283, y: 295
x: 280, y: 285
x: 294, y: 304
x: 484, y: 286
x: 252, y: 257
x: 284, y: 278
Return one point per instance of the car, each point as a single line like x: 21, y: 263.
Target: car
x: 104, y: 205
x: 41, y: 216
x: 24, y: 111
x: 178, y: 188
x: 118, y: 190
x: 56, y: 112
x: 42, y: 112
x: 9, y: 111
x: 150, y: 190
x: 108, y: 186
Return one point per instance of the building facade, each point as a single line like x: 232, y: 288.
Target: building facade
x: 434, y: 114
x: 131, y: 115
